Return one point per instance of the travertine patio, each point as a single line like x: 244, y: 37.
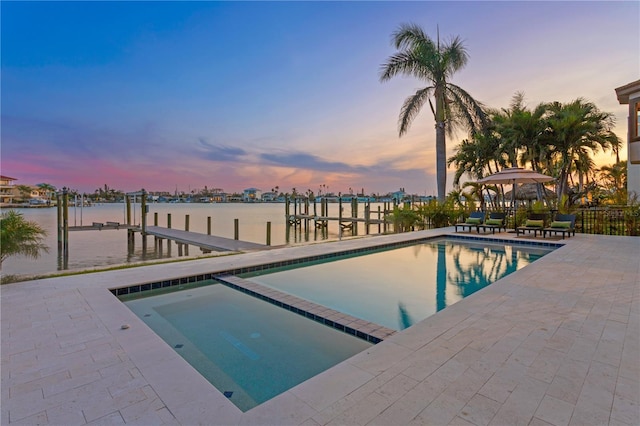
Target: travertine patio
x: 556, y: 343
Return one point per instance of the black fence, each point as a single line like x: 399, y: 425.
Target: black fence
x: 608, y: 221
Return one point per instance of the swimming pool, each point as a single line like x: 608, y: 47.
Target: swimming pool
x: 401, y: 286
x: 249, y: 349
x: 252, y: 350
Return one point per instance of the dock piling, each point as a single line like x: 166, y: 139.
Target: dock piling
x: 268, y: 233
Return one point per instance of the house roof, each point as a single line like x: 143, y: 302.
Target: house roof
x: 7, y: 178
x: 623, y: 92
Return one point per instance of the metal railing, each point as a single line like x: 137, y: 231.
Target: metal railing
x: 607, y: 221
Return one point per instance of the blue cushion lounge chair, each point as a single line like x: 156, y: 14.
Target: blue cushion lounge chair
x: 535, y: 223
x: 475, y: 219
x: 562, y: 224
x: 496, y: 220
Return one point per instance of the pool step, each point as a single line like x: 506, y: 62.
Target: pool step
x: 366, y: 330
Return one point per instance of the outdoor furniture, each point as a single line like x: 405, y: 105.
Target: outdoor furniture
x: 535, y: 223
x: 564, y: 224
x: 473, y: 221
x: 496, y: 220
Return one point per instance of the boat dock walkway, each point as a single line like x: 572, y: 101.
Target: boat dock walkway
x: 100, y: 226
x: 204, y: 241
x: 346, y: 222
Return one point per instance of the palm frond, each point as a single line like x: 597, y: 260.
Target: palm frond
x: 411, y: 108
x: 464, y: 110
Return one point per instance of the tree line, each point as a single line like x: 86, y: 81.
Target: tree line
x: 554, y: 138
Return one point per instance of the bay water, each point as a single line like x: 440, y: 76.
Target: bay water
x: 103, y: 248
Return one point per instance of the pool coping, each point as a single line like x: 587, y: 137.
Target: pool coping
x: 67, y: 360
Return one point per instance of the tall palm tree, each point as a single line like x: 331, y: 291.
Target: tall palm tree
x: 419, y: 56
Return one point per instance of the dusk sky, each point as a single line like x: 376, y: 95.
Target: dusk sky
x: 166, y: 95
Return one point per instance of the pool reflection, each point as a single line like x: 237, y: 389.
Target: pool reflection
x: 399, y: 287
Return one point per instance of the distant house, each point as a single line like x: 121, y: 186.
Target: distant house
x: 398, y: 196
x: 269, y: 197
x: 629, y: 94
x: 218, y: 195
x: 6, y: 189
x: 251, y: 195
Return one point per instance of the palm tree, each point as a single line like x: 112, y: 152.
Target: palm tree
x: 20, y: 236
x: 577, y: 129
x: 421, y: 57
x: 521, y: 132
x: 48, y: 189
x: 25, y: 192
x: 614, y: 179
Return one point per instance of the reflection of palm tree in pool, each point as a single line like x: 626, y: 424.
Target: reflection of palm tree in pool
x: 403, y: 315
x: 488, y: 266
x: 441, y: 278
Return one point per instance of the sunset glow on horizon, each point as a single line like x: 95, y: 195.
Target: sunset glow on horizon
x: 232, y: 95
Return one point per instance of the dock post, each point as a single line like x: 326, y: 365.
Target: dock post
x: 295, y: 206
x: 169, y: 220
x: 378, y: 219
x: 186, y: 222
x: 268, y: 233
x: 367, y: 213
x: 143, y: 212
x: 128, y: 201
x: 287, y: 202
x: 287, y: 233
x: 179, y: 249
x: 208, y: 225
x: 65, y: 224
x: 59, y: 208
x: 155, y: 219
x: 354, y: 214
x: 339, y: 215
x: 130, y: 240
x: 143, y: 219
x: 236, y: 229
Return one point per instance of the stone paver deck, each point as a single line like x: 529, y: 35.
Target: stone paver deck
x: 555, y: 343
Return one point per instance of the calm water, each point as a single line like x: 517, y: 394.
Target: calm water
x: 89, y: 249
x: 249, y: 349
x: 399, y: 287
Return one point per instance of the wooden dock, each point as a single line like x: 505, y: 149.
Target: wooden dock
x: 303, y: 214
x: 345, y: 221
x: 99, y: 226
x: 204, y: 241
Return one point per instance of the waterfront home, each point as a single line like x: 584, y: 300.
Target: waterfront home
x: 629, y: 94
x: 269, y: 197
x: 251, y: 195
x: 6, y: 189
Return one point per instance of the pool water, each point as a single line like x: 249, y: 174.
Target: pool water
x: 247, y: 348
x: 399, y: 287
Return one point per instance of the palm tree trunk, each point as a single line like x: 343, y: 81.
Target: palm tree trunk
x: 441, y: 161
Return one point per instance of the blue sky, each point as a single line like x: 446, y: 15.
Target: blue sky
x: 233, y: 95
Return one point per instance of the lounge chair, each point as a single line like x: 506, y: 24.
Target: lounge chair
x: 535, y: 223
x: 475, y: 219
x: 562, y: 224
x: 496, y: 221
